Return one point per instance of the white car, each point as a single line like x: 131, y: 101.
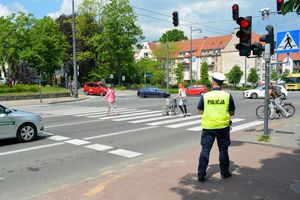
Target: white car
x: 2, y: 80
x: 259, y: 92
x: 25, y: 126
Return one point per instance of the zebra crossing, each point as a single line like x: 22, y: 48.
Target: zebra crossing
x: 143, y: 116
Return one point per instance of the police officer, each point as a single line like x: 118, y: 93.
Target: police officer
x: 216, y: 106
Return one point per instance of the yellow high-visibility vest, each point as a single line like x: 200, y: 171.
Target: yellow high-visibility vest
x: 216, y: 114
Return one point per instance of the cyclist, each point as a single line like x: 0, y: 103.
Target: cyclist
x: 275, y: 97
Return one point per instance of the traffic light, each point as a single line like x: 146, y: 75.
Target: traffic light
x: 257, y: 48
x: 235, y: 12
x: 244, y: 34
x: 279, y: 5
x: 269, y: 38
x: 175, y: 18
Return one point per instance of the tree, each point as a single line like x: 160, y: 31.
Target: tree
x: 274, y: 75
x: 152, y: 66
x: 204, y: 77
x: 253, y: 76
x: 284, y: 75
x: 235, y: 75
x: 173, y: 36
x: 120, y: 35
x: 291, y: 6
x: 179, y: 72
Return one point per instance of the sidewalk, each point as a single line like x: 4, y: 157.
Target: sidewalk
x: 260, y: 171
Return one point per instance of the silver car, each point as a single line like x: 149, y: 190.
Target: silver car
x: 25, y: 126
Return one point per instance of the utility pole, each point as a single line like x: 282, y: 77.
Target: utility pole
x: 75, y: 82
x: 191, y: 55
x: 267, y: 81
x: 167, y: 61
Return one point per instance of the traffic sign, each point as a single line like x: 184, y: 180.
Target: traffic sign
x: 288, y: 41
x: 148, y: 74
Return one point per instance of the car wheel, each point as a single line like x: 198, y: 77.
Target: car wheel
x: 142, y: 95
x: 161, y: 95
x: 26, y: 132
x: 254, y: 96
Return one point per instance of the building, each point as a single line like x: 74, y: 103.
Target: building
x: 290, y: 62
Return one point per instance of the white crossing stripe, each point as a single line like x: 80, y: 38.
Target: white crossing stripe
x: 184, y: 124
x: 173, y: 120
x: 74, y: 123
x: 153, y: 119
x: 77, y: 142
x: 58, y: 138
x: 138, y: 117
x: 118, y: 112
x: 99, y: 147
x: 199, y: 128
x: 247, y: 125
x: 142, y: 112
x: 125, y: 153
x: 101, y: 112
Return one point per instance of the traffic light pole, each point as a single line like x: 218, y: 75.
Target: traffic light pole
x: 267, y: 57
x: 167, y: 62
x: 75, y: 82
x: 191, y: 56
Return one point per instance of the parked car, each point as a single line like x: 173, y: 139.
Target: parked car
x: 152, y: 92
x: 98, y: 88
x: 25, y: 126
x: 2, y: 80
x: 196, y: 89
x: 259, y: 92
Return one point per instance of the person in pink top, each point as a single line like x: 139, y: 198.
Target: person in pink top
x: 110, y: 97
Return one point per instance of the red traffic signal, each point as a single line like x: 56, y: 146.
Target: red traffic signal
x: 175, y: 18
x: 235, y: 12
x: 244, y: 46
x: 279, y: 5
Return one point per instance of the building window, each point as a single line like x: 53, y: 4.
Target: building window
x: 146, y: 55
x: 145, y: 47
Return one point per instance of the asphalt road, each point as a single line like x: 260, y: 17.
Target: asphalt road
x: 81, y: 142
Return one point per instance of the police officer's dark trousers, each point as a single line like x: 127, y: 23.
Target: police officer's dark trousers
x: 207, y: 140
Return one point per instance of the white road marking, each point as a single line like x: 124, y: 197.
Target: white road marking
x: 77, y: 142
x: 2, y: 178
x: 75, y: 123
x: 173, y: 120
x: 102, y: 112
x: 58, y: 138
x: 184, y: 124
x: 137, y: 117
x: 119, y: 133
x: 99, y: 147
x: 31, y: 148
x: 138, y: 112
x: 125, y: 153
x: 247, y: 125
x: 199, y: 128
x: 154, y: 119
x: 120, y: 113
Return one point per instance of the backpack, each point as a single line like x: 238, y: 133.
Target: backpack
x: 278, y: 91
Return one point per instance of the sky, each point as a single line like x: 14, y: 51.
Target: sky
x: 207, y: 18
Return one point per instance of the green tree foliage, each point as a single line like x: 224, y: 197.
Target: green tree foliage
x: 284, y: 75
x: 204, y: 77
x: 147, y: 65
x: 120, y: 35
x: 253, y: 76
x: 291, y: 6
x: 179, y: 72
x: 48, y: 47
x: 173, y: 36
x: 274, y: 75
x: 235, y: 75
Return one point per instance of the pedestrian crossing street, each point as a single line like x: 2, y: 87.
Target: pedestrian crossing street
x: 140, y: 116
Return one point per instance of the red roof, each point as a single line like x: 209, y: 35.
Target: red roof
x: 293, y: 56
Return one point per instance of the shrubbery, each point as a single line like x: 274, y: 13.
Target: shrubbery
x: 17, y: 88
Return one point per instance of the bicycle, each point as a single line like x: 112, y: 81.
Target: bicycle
x: 288, y: 106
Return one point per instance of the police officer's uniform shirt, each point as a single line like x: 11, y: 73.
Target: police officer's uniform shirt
x: 231, y: 102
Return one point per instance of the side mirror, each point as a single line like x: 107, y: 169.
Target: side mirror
x: 7, y: 111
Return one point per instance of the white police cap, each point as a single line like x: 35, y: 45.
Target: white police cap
x: 218, y: 76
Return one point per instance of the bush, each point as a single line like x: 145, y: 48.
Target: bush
x: 17, y: 88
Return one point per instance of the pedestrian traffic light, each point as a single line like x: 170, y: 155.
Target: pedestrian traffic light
x: 279, y: 5
x: 245, y: 35
x: 235, y: 12
x: 257, y: 48
x: 175, y: 18
x: 269, y: 38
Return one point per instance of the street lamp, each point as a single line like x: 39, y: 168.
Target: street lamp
x: 191, y: 52
x: 74, y: 54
